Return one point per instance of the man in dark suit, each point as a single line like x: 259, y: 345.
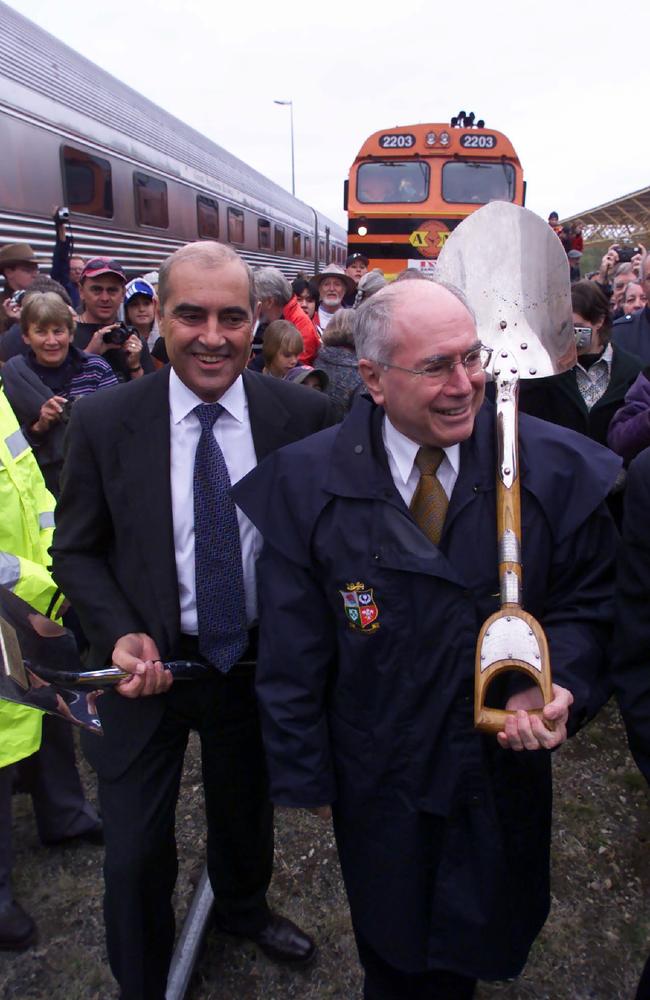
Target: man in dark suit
x: 125, y: 553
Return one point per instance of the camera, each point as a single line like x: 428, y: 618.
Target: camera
x: 119, y: 334
x: 61, y: 215
x: 582, y: 336
x: 17, y: 298
x: 66, y: 411
x: 626, y: 253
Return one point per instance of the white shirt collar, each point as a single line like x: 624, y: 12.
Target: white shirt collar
x: 182, y: 400
x: 404, y: 450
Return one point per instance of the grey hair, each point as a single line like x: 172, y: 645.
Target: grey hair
x: 270, y: 283
x: 340, y: 329
x: 373, y: 336
x: 370, y: 283
x: 630, y: 284
x: 204, y: 254
x: 625, y: 268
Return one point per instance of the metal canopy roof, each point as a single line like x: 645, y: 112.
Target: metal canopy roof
x: 626, y: 219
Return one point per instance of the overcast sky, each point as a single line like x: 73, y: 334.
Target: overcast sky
x: 562, y: 80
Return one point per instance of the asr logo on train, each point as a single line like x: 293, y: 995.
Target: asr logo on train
x: 360, y: 607
x: 429, y: 237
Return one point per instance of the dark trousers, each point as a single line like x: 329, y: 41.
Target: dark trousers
x: 643, y: 989
x: 384, y: 982
x: 51, y: 777
x: 138, y: 811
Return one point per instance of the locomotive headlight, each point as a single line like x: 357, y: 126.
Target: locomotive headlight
x: 362, y: 230
x: 444, y: 138
x: 430, y: 138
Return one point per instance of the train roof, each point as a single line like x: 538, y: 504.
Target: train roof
x: 35, y: 59
x: 425, y: 140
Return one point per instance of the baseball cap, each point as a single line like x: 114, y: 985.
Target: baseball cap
x: 138, y: 287
x: 356, y: 256
x: 102, y: 265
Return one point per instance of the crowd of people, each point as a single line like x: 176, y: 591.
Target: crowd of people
x: 298, y: 491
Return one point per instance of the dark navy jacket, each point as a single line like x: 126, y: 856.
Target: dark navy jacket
x: 632, y: 333
x: 631, y: 647
x: 443, y: 837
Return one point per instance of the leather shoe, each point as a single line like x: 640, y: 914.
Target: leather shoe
x: 282, y: 941
x: 17, y: 929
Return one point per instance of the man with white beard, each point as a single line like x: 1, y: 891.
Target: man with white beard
x: 333, y: 284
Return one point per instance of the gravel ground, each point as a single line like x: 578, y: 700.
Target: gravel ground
x: 592, y: 947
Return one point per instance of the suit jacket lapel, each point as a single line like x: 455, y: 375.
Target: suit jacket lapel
x: 145, y: 457
x: 268, y: 416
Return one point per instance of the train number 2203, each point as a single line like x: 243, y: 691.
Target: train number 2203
x: 478, y: 140
x: 402, y: 140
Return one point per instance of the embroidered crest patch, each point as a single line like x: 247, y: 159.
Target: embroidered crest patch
x: 360, y: 607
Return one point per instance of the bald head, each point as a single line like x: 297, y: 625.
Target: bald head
x: 380, y: 321
x: 413, y: 341
x: 205, y: 255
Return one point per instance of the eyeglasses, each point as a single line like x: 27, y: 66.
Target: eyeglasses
x: 441, y: 369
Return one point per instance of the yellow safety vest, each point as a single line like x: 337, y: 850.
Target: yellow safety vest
x: 26, y: 529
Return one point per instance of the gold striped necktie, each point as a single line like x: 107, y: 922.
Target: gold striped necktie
x: 429, y: 504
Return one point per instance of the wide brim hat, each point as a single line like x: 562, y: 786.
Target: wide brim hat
x: 334, y: 271
x: 17, y: 253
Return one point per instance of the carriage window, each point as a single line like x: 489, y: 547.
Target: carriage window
x: 297, y: 245
x: 279, y: 239
x: 207, y: 218
x: 150, y: 201
x: 264, y: 234
x: 478, y: 183
x: 321, y: 249
x: 308, y: 250
x: 235, y: 225
x: 394, y: 181
x: 87, y: 183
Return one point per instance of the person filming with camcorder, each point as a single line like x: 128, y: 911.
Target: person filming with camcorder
x: 100, y: 331
x: 66, y: 265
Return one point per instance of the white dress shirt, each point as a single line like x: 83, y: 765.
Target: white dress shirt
x: 233, y: 434
x: 401, y: 452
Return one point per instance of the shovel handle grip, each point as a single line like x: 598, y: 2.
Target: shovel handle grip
x: 493, y: 720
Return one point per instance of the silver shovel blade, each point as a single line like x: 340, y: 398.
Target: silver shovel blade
x: 514, y: 273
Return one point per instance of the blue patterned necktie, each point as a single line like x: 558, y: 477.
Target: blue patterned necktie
x: 220, y: 597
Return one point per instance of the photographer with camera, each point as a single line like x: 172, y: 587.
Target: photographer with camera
x: 43, y: 384
x: 67, y: 267
x: 99, y: 330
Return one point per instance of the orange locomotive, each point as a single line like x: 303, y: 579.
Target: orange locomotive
x: 410, y: 186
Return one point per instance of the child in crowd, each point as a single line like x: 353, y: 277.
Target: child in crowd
x: 281, y: 348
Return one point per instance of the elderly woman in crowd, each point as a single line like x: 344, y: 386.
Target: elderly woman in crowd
x: 338, y: 359
x: 42, y: 384
x: 370, y: 283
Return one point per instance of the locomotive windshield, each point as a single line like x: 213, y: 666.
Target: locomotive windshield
x: 392, y: 181
x: 477, y: 183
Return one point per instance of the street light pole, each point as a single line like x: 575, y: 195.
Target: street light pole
x: 293, y: 168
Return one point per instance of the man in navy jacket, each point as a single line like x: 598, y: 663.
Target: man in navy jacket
x: 368, y: 637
